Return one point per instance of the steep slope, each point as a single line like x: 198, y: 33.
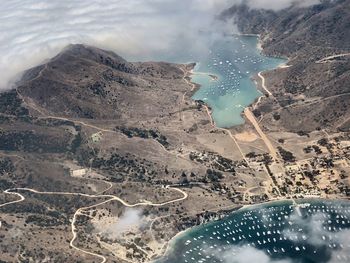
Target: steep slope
x: 86, y: 82
x: 312, y: 92
x: 326, y: 25
x: 87, y: 126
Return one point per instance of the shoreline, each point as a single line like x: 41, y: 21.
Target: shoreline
x: 260, y: 87
x: 243, y: 207
x: 188, y: 72
x: 168, y: 244
x: 193, y: 71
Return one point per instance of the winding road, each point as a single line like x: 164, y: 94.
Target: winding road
x: 12, y: 202
x: 263, y: 85
x: 78, y: 212
x: 325, y: 60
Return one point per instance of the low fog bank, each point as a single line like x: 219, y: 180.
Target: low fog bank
x: 34, y: 30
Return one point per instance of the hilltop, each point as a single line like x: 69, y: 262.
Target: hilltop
x: 88, y: 138
x: 81, y: 79
x: 88, y: 135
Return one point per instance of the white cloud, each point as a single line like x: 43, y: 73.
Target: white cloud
x: 239, y: 254
x: 114, y: 227
x: 249, y: 255
x: 317, y: 234
x: 312, y: 226
x: 311, y: 230
x: 34, y: 30
x: 342, y: 254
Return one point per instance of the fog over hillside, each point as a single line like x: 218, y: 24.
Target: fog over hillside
x: 34, y: 30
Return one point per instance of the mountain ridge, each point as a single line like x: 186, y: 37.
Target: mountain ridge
x: 81, y: 77
x: 305, y: 36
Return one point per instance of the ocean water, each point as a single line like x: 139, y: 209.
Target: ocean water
x: 234, y: 60
x: 315, y: 231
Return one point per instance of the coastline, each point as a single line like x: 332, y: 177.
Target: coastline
x: 188, y: 69
x: 260, y: 42
x: 261, y: 87
x: 168, y: 244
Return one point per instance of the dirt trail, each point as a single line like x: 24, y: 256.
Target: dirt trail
x: 249, y: 115
x: 325, y: 60
x: 21, y: 198
x: 46, y: 116
x: 82, y: 209
x: 212, y: 123
x: 263, y: 85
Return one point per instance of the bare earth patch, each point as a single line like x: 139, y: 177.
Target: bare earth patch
x: 246, y: 136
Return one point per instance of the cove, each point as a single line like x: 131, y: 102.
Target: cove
x: 234, y: 60
x: 314, y: 231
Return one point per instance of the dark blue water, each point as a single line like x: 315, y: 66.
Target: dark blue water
x: 277, y: 232
x: 318, y: 231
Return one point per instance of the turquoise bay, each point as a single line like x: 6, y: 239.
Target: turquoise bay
x: 234, y: 60
x: 314, y: 231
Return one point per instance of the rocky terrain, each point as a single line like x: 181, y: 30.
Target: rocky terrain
x: 88, y: 135
x: 88, y: 138
x: 77, y: 81
x: 311, y: 93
